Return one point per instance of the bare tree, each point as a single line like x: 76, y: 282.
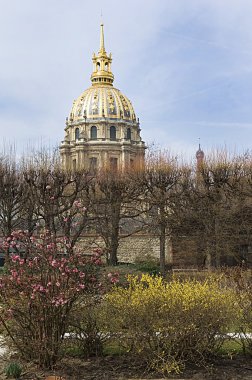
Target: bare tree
x: 11, y: 195
x: 162, y: 180
x: 213, y: 204
x: 115, y: 200
x: 57, y: 198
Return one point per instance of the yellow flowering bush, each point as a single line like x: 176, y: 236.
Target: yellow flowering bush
x: 169, y: 324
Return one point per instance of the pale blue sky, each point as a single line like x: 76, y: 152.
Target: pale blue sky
x: 186, y: 65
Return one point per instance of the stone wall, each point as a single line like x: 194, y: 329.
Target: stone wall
x: 138, y: 247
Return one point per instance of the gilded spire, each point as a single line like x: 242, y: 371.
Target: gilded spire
x: 102, y: 74
x: 102, y: 46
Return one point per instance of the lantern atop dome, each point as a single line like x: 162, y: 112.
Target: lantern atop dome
x: 102, y: 73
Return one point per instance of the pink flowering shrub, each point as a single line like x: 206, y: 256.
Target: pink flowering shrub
x: 113, y: 277
x: 39, y: 291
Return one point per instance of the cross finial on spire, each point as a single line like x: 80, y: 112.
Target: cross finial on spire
x: 199, y: 143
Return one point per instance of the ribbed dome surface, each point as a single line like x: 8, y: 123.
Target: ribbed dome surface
x: 102, y: 101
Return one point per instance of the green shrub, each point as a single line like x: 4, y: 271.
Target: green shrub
x: 169, y: 324
x: 13, y: 370
x: 150, y: 267
x: 86, y: 327
x: 3, y: 270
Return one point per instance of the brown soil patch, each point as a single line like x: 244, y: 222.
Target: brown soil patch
x: 121, y: 368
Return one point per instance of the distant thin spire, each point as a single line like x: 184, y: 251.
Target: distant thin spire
x: 200, y: 154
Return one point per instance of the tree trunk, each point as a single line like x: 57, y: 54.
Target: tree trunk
x: 208, y: 258
x: 114, y: 241
x: 162, y: 239
x: 217, y: 246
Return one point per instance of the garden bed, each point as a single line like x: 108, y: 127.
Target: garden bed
x: 121, y: 368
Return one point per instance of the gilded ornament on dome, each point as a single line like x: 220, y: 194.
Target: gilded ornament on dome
x: 79, y: 109
x: 125, y: 106
x: 95, y: 104
x: 111, y: 102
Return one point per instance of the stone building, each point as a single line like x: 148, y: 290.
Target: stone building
x: 102, y: 127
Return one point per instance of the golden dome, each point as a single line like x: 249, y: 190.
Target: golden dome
x: 102, y: 100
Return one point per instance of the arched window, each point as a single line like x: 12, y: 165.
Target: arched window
x: 106, y: 66
x: 128, y: 136
x: 98, y: 66
x: 93, y: 133
x: 77, y: 134
x: 112, y: 133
